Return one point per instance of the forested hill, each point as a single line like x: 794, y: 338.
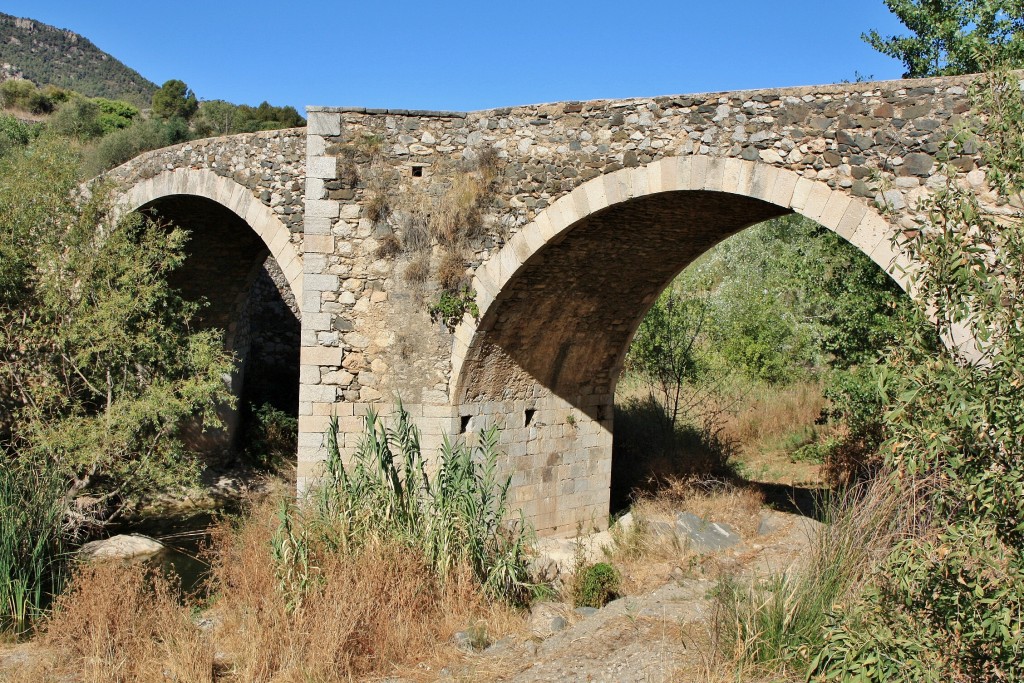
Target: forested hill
x: 48, y: 55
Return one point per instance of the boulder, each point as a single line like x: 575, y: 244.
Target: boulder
x: 704, y: 536
x: 121, y: 547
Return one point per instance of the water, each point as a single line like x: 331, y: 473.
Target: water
x: 185, y: 535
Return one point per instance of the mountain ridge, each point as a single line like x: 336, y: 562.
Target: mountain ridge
x: 47, y: 55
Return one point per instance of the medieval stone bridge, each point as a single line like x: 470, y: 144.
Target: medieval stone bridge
x: 566, y: 220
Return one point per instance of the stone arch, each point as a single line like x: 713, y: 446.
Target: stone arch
x: 561, y: 300
x: 227, y: 264
x: 852, y: 218
x: 232, y: 196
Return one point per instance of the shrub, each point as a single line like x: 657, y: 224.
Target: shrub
x: 596, y: 585
x: 14, y: 133
x: 78, y: 118
x: 271, y: 437
x: 450, y: 307
x: 127, y: 143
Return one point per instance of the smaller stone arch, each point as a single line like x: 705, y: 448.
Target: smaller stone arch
x: 233, y: 196
x: 850, y: 217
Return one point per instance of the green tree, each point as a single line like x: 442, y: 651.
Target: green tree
x: 668, y: 346
x: 174, y: 100
x: 951, y: 36
x: 100, y: 369
x: 956, y: 433
x: 115, y: 114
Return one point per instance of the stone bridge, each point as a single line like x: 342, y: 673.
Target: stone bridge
x: 564, y: 220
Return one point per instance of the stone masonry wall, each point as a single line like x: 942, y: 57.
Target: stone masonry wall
x: 367, y: 337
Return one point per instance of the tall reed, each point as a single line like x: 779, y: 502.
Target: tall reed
x: 778, y: 624
x: 457, y: 516
x: 31, y: 543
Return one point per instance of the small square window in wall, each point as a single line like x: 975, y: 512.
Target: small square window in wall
x: 417, y: 171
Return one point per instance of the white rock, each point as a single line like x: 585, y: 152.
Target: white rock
x: 121, y: 547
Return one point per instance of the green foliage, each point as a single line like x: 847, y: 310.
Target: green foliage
x: 115, y: 114
x: 31, y: 544
x: 99, y: 367
x: 24, y: 95
x: 174, y: 100
x: 669, y: 347
x: 292, y: 555
x: 456, y: 517
x: 127, y: 143
x: 46, y: 54
x: 14, y: 133
x: 271, y: 437
x: 217, y: 117
x: 78, y: 118
x: 451, y: 306
x: 596, y: 585
x: 954, y: 421
x: 950, y: 37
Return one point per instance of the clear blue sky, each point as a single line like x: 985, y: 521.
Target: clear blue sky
x: 476, y: 55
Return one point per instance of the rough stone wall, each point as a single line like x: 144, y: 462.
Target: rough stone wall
x: 271, y: 164
x: 560, y: 305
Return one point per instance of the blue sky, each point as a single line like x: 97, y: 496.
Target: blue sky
x: 475, y: 55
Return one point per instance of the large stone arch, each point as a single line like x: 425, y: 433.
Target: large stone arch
x: 550, y: 382
x: 852, y: 218
x: 242, y: 261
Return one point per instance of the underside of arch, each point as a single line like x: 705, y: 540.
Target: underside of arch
x: 561, y: 301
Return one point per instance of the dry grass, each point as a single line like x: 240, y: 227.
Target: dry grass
x: 646, y: 558
x: 367, y: 614
x: 389, y: 246
x: 451, y: 271
x: 418, y: 269
x: 775, y: 413
x: 121, y: 623
x: 378, y: 205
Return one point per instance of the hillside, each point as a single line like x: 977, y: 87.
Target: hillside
x: 48, y: 55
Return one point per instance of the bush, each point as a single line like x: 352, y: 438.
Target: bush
x: 78, y: 118
x: 127, y: 143
x: 14, y: 133
x: 596, y: 585
x: 271, y: 437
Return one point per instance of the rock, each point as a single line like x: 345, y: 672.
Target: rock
x: 705, y: 536
x: 918, y: 164
x: 891, y: 199
x: 586, y: 611
x: 770, y: 522
x: 464, y: 641
x: 121, y: 547
x: 546, y: 619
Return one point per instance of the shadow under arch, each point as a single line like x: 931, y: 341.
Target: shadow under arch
x: 560, y: 303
